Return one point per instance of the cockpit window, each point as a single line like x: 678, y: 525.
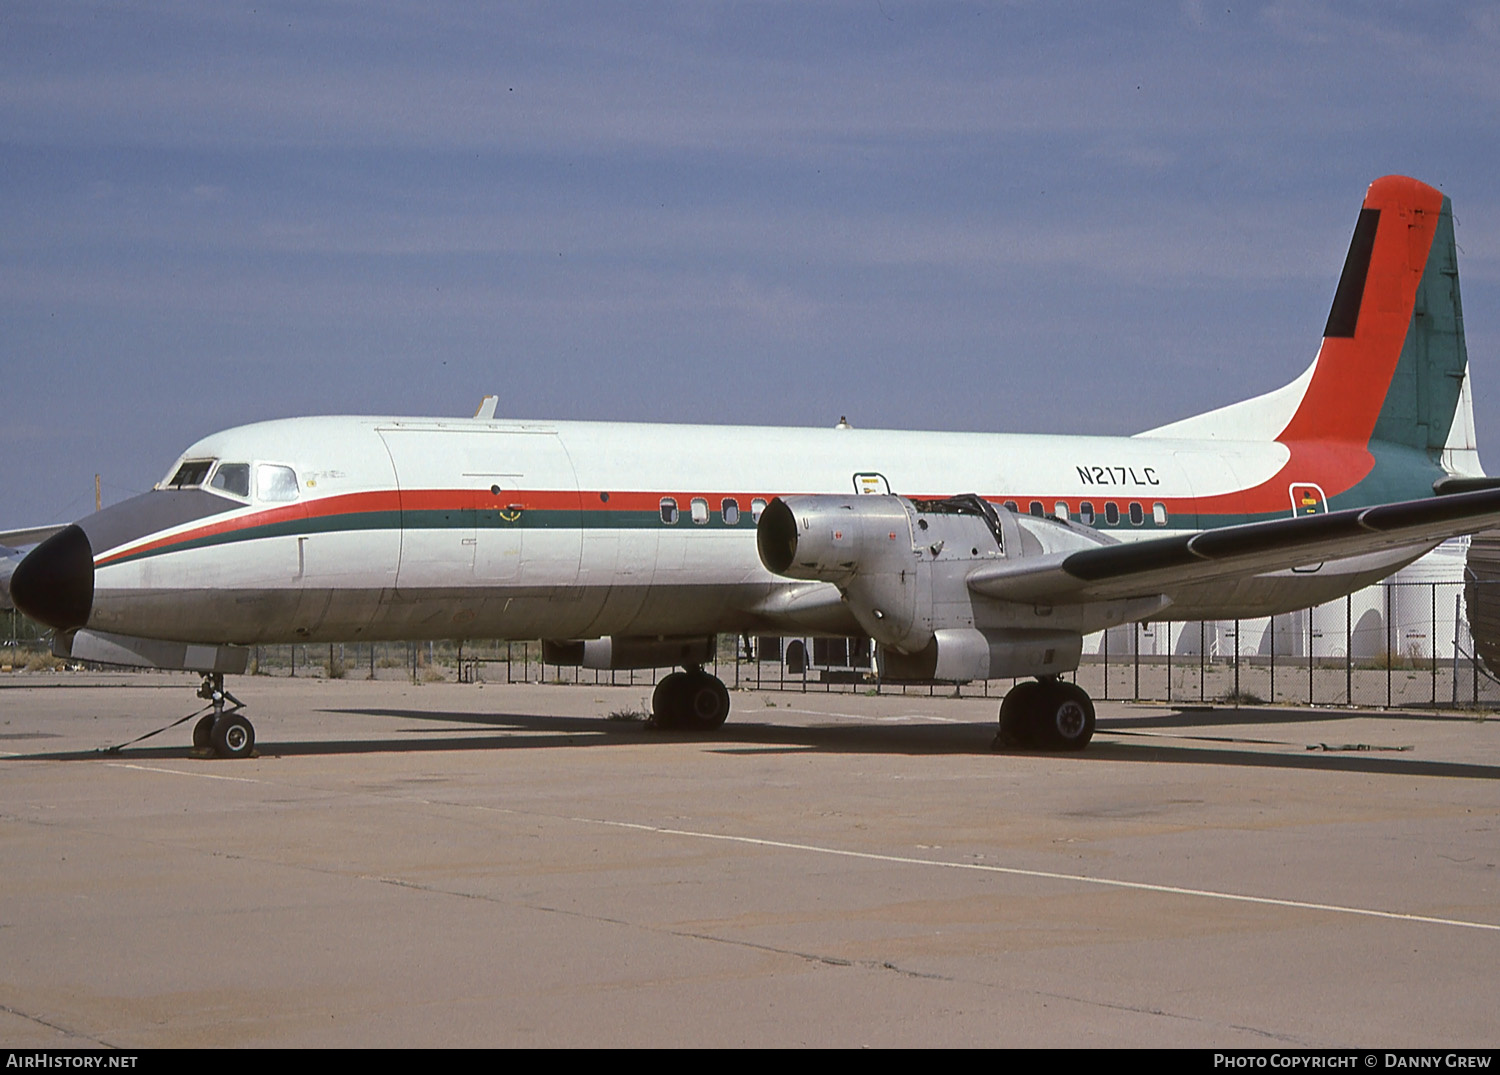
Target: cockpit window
x: 275, y: 483
x: 190, y: 474
x: 233, y: 478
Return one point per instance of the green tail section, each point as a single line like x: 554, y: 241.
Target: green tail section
x: 1423, y: 400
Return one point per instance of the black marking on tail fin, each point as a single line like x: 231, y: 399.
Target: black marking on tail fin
x: 1351, y: 291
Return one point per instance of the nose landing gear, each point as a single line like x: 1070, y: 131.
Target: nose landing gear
x: 223, y: 731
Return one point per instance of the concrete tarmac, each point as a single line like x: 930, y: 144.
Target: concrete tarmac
x: 462, y: 865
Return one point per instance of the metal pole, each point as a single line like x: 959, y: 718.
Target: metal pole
x: 1432, y: 642
x: 1106, y: 664
x: 1349, y: 649
x: 1389, y: 656
x: 1273, y: 660
x: 1137, y: 661
x: 1169, y: 660
x: 1236, y: 662
x: 1202, y: 660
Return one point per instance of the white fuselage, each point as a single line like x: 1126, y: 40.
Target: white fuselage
x: 417, y: 528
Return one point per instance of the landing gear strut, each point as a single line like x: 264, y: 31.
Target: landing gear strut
x: 690, y: 701
x: 1045, y: 714
x: 224, y: 731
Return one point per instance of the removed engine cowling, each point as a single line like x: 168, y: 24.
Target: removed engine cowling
x: 902, y: 567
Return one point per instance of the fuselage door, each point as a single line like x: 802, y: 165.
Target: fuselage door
x: 1307, y: 499
x: 438, y: 506
x: 489, y: 506
x: 871, y: 483
x: 529, y: 519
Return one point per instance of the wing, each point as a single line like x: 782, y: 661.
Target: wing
x: 30, y: 535
x: 1158, y: 565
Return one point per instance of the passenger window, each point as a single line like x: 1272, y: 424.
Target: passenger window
x: 1011, y: 506
x: 1086, y: 513
x: 668, y: 510
x: 730, y: 508
x: 233, y: 478
x: 1060, y: 509
x: 1159, y: 513
x: 757, y: 506
x: 1112, y: 513
x: 1035, y: 507
x: 190, y: 474
x: 1137, y: 514
x: 275, y: 483
x: 699, y: 508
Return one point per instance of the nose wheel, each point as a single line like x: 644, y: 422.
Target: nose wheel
x: 224, y: 731
x: 1045, y: 714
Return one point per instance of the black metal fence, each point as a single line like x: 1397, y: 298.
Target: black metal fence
x: 1400, y: 644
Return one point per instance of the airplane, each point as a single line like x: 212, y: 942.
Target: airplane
x: 962, y: 555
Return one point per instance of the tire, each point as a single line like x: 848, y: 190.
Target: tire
x: 233, y: 737
x: 667, y: 709
x: 1065, y: 719
x: 203, y: 733
x: 1018, y: 721
x: 705, y: 702
x: 690, y: 702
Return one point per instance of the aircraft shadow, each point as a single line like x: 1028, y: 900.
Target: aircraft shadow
x: 1117, y: 741
x: 1192, y: 716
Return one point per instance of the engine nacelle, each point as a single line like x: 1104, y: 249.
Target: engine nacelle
x: 864, y: 545
x: 902, y: 567
x: 833, y: 538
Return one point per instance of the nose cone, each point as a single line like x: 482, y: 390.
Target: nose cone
x: 55, y: 583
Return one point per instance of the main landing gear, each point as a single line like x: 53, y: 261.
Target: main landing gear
x: 224, y: 731
x: 690, y: 701
x: 1045, y: 714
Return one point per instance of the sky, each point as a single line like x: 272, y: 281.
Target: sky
x: 1007, y: 217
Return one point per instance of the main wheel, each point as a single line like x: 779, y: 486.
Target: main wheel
x: 667, y: 708
x: 690, y: 701
x: 1064, y: 717
x: 233, y: 737
x: 1017, y: 717
x: 705, y: 702
x: 203, y: 733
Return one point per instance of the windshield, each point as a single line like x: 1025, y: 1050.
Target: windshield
x: 190, y: 473
x: 233, y: 478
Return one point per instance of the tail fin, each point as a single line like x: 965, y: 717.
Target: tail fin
x: 1393, y: 359
x: 1393, y: 366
